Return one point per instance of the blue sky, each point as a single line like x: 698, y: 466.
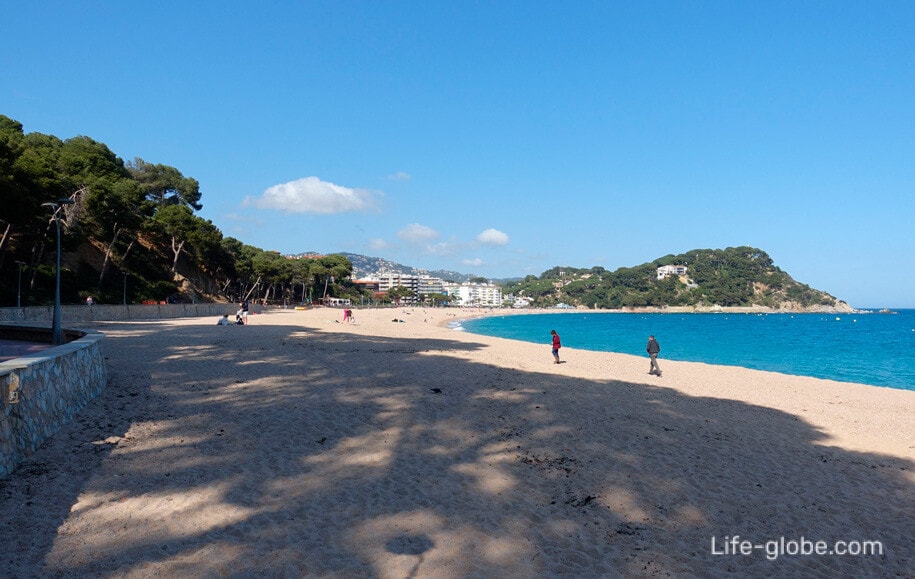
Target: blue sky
x: 505, y: 138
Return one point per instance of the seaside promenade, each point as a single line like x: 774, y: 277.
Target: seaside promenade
x: 302, y: 446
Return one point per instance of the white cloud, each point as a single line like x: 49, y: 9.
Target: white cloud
x: 416, y: 233
x: 475, y: 262
x: 493, y: 237
x: 400, y: 176
x: 378, y: 244
x: 443, y: 248
x: 312, y: 195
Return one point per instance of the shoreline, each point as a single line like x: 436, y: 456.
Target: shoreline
x: 471, y: 314
x: 300, y: 445
x: 593, y: 360
x: 671, y: 310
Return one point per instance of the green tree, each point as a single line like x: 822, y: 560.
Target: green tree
x: 177, y: 223
x: 330, y: 268
x: 166, y: 185
x: 272, y: 269
x: 18, y: 203
x: 301, y: 274
x: 116, y: 211
x: 206, y: 241
x: 112, y: 202
x: 437, y: 299
x: 400, y: 293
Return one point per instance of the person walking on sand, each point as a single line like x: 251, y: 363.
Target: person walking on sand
x: 653, y: 348
x: 556, y: 346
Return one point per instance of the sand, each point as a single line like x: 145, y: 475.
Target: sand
x: 300, y: 446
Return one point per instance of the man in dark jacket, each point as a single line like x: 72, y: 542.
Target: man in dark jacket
x: 653, y: 350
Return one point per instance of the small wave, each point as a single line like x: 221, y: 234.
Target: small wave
x: 456, y: 326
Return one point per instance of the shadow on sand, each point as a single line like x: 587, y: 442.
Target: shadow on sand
x: 310, y: 470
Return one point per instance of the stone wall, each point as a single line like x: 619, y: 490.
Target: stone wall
x: 41, y: 392
x: 106, y: 312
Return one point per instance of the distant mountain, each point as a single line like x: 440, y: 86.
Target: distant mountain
x: 365, y: 266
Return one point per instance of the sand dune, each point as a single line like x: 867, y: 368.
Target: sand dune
x: 301, y: 446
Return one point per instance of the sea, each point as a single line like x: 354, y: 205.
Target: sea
x: 866, y: 347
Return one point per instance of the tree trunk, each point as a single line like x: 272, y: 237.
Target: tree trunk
x: 177, y: 252
x: 114, y: 239
x: 6, y: 236
x: 127, y: 252
x: 37, y: 254
x: 254, y: 287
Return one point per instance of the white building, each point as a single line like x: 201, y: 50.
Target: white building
x: 476, y: 294
x: 429, y: 285
x: 389, y: 281
x: 419, y: 284
x: 666, y: 270
x: 522, y: 302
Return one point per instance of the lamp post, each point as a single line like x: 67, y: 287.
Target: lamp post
x: 19, y: 285
x: 57, y: 334
x: 125, y: 287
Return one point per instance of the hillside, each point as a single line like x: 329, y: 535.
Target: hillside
x: 364, y: 266
x: 732, y: 277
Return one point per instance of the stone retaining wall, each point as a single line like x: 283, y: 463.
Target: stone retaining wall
x: 41, y: 392
x: 106, y: 312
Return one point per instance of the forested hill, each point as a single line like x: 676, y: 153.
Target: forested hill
x: 736, y: 276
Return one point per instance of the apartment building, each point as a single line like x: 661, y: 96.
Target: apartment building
x: 476, y: 294
x: 420, y: 285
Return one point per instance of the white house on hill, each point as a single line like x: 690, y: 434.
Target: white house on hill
x: 666, y: 270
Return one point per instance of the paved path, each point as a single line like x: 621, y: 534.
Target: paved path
x: 10, y: 349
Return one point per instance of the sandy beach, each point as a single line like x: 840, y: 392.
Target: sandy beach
x: 302, y: 446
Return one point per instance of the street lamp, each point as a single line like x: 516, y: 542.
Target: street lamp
x: 125, y: 287
x: 19, y: 285
x: 57, y: 334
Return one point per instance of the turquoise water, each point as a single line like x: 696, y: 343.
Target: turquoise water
x: 868, y: 348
